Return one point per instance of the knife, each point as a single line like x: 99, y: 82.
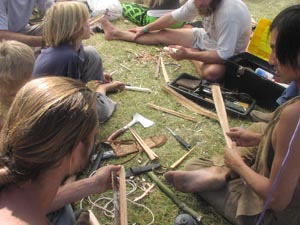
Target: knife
x: 137, y: 170
x: 179, y: 139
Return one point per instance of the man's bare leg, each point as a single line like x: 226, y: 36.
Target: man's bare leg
x: 212, y: 72
x: 183, y: 37
x: 205, y: 179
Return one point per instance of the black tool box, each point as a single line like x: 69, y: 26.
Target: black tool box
x: 240, y: 77
x: 199, y: 91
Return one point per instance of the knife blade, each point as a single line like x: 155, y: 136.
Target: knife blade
x: 179, y: 139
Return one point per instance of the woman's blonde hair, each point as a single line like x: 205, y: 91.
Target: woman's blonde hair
x: 48, y: 117
x: 16, y: 66
x: 64, y: 22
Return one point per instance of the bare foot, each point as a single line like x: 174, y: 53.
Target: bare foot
x: 206, y: 179
x: 109, y: 30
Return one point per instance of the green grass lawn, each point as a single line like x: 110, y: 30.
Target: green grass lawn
x: 135, y: 64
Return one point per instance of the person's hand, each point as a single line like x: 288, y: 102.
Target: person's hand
x: 232, y: 159
x: 138, y: 31
x: 178, y: 52
x: 114, y: 86
x: 107, y: 78
x: 102, y: 179
x: 244, y: 137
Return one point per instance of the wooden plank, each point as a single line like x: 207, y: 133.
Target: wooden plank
x: 172, y: 112
x: 156, y: 75
x: 115, y: 188
x: 221, y: 112
x: 145, y: 147
x: 190, y: 104
x: 123, y: 198
x: 167, y: 80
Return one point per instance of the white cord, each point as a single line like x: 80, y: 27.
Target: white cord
x: 107, y: 202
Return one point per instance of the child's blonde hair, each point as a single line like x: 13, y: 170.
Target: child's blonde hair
x: 16, y: 66
x: 64, y: 22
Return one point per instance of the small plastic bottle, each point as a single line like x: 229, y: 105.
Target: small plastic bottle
x: 265, y: 74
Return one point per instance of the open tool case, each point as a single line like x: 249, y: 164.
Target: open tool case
x: 240, y: 77
x: 199, y: 91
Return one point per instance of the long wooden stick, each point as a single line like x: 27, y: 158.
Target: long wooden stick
x: 95, y: 19
x: 141, y: 89
x: 197, y: 65
x: 146, y: 148
x: 123, y: 198
x: 189, y: 104
x: 221, y: 111
x: 157, y: 67
x: 180, y: 160
x: 172, y: 112
x: 167, y: 80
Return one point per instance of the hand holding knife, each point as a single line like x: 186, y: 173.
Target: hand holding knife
x: 180, y: 140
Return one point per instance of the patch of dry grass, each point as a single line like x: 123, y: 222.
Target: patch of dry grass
x: 135, y: 64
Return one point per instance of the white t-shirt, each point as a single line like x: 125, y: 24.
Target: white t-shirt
x: 229, y: 26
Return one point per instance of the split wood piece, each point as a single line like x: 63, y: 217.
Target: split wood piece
x: 157, y: 67
x: 167, y: 80
x: 114, y: 181
x: 123, y: 198
x: 179, y: 161
x: 146, y: 148
x: 93, y: 219
x: 169, y: 193
x: 141, y: 89
x: 190, y: 104
x: 197, y: 65
x: 172, y: 112
x: 221, y: 111
x: 95, y: 19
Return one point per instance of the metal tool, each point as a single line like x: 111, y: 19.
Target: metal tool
x: 179, y: 139
x: 136, y: 118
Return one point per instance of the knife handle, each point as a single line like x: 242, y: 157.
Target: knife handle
x: 182, y: 142
x: 116, y: 134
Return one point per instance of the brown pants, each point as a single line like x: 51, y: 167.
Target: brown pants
x: 225, y: 200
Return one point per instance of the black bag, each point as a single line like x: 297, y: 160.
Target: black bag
x: 240, y: 77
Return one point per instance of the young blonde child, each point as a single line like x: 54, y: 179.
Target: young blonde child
x: 16, y: 65
x: 66, y: 26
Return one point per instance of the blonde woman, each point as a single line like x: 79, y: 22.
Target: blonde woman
x: 66, y: 26
x: 48, y: 135
x: 16, y: 65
